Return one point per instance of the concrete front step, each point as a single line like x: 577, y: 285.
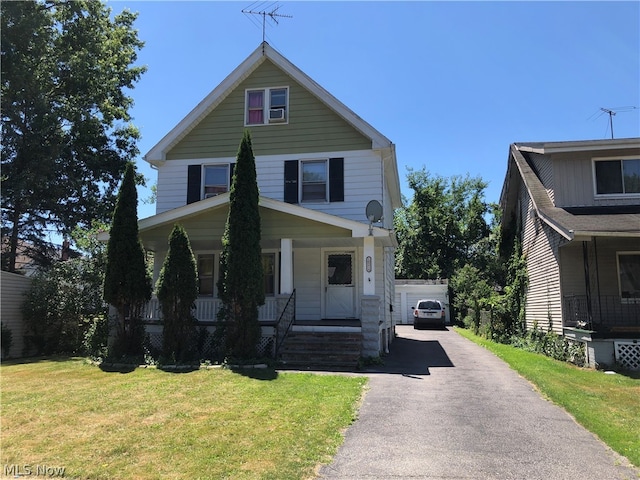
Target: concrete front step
x: 321, y: 349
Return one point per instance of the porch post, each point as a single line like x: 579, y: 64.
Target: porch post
x: 369, y: 267
x: 286, y: 266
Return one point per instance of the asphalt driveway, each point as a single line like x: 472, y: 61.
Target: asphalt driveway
x: 445, y: 408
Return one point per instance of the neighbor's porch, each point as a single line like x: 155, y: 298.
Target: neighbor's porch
x: 600, y: 280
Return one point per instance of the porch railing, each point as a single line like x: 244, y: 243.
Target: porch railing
x: 207, y: 310
x: 601, y: 313
x: 285, y: 321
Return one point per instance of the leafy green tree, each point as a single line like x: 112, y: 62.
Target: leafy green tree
x: 62, y: 304
x: 66, y: 131
x: 127, y: 284
x: 443, y: 228
x: 177, y: 290
x: 473, y: 294
x: 241, y: 286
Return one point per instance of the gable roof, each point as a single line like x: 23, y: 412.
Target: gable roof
x: 158, y: 153
x: 568, y: 222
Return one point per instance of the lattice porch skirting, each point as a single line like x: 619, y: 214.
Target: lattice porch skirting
x: 628, y: 354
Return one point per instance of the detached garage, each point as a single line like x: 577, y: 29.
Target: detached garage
x: 408, y: 292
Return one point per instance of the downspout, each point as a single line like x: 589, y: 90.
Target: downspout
x: 585, y: 261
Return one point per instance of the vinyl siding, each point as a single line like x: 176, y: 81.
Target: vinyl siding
x: 206, y: 229
x: 362, y: 182
x: 14, y: 287
x: 540, y: 245
x: 307, y: 263
x: 311, y: 125
x: 574, y: 185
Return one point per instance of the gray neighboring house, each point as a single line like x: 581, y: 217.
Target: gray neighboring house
x: 577, y: 207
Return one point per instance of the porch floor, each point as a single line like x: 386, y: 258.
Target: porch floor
x: 329, y: 322
x: 350, y: 325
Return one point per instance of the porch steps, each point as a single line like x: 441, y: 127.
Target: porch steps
x: 331, y: 350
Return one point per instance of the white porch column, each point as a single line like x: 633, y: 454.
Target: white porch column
x: 286, y: 266
x: 369, y: 267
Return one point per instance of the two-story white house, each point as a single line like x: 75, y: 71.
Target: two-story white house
x: 318, y: 166
x: 576, y: 206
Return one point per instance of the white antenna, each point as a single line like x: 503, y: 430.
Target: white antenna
x: 271, y: 11
x: 611, y: 112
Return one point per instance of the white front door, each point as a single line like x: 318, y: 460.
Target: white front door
x: 340, y: 285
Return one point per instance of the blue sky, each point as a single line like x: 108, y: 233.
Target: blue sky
x: 452, y: 84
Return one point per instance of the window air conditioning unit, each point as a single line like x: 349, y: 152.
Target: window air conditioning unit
x: 276, y: 115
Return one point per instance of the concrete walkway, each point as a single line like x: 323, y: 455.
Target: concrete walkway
x: 445, y: 408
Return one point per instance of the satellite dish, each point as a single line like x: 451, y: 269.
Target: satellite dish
x: 374, y: 211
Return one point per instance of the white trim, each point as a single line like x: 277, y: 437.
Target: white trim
x: 203, y: 176
x: 578, y: 146
x: 357, y: 229
x: 266, y: 106
x: 301, y: 180
x: 369, y: 277
x: 157, y: 155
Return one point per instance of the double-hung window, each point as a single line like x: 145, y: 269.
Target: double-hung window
x: 216, y: 180
x: 619, y: 176
x: 204, y: 181
x: 206, y: 280
x: 269, y: 273
x: 266, y: 106
x: 314, y: 181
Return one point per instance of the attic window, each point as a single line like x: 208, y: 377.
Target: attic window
x: 620, y: 176
x: 267, y: 106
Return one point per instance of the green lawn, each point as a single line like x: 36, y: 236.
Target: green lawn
x: 206, y: 424
x: 607, y: 405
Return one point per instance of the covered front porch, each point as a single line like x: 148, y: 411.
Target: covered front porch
x: 600, y: 280
x: 340, y: 270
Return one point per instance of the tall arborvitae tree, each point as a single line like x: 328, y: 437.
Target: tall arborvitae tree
x: 127, y: 285
x: 67, y: 70
x: 177, y: 291
x: 241, y: 286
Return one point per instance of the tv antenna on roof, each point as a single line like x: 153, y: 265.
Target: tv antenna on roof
x: 270, y: 11
x: 611, y: 112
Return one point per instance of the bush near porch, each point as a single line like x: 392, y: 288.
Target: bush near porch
x: 152, y: 424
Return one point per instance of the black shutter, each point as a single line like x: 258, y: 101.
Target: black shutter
x: 291, y: 181
x: 194, y: 183
x: 336, y: 179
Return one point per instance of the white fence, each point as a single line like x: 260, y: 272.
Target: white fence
x: 12, y: 290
